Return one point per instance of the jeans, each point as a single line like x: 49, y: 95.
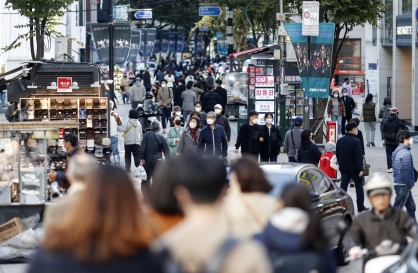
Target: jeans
x: 134, y: 150
x: 3, y: 99
x: 114, y: 141
x: 404, y: 199
x: 338, y: 120
x: 166, y: 115
x: 390, y: 148
x: 345, y: 120
x: 125, y: 98
x: 370, y: 128
x: 346, y: 176
x: 268, y: 158
x: 185, y: 115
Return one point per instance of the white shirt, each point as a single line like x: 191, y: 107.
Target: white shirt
x: 169, y: 80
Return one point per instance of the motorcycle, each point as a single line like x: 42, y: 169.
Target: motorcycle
x: 148, y: 112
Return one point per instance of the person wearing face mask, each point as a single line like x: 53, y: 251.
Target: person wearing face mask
x: 189, y: 99
x: 212, y: 139
x: 198, y: 108
x: 176, y: 112
x: 124, y: 90
x: 223, y: 121
x: 250, y: 137
x: 165, y: 97
x: 270, y: 148
x: 174, y: 134
x: 336, y: 110
x: 369, y: 116
x: 404, y: 176
x: 349, y: 105
x: 189, y: 138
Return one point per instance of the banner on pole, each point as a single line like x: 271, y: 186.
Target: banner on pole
x: 135, y: 41
x: 101, y: 41
x: 157, y: 47
x: 198, y: 43
x: 172, y: 42
x: 179, y: 42
x: 121, y: 42
x: 315, y: 69
x: 164, y: 40
x: 142, y: 33
x: 150, y: 41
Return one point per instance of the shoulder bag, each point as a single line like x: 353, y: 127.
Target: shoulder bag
x: 366, y: 167
x: 296, y: 156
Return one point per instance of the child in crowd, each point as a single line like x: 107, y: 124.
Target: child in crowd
x: 328, y: 161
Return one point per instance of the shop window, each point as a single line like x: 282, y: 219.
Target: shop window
x: 405, y: 6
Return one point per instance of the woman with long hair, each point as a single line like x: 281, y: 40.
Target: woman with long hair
x: 247, y: 206
x: 105, y: 231
x: 189, y: 138
x: 369, y: 117
x: 308, y: 152
x: 294, y: 233
x: 169, y: 77
x: 336, y: 110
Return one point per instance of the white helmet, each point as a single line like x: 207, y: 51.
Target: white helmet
x: 378, y: 181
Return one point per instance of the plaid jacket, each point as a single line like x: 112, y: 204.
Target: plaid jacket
x: 340, y: 104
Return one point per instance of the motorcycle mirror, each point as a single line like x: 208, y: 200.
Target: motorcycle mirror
x: 140, y: 105
x: 342, y: 227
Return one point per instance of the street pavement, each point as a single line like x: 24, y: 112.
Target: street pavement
x: 375, y: 156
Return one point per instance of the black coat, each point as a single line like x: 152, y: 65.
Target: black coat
x: 46, y: 262
x: 146, y: 77
x: 349, y: 154
x: 309, y: 154
x: 178, y: 101
x: 272, y: 141
x: 223, y: 121
x: 153, y: 146
x: 349, y: 105
x: 360, y: 137
x: 388, y: 128
x: 223, y: 94
x: 249, y: 138
x: 209, y: 100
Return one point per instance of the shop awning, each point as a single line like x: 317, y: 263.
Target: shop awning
x: 248, y: 52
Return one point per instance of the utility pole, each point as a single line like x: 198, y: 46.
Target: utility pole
x: 282, y: 41
x: 229, y: 33
x: 111, y: 92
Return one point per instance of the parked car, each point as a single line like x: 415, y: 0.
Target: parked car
x: 328, y: 200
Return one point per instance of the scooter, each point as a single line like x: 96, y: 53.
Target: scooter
x: 386, y: 255
x: 148, y: 112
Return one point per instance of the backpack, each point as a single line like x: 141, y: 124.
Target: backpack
x: 214, y: 264
x: 300, y: 262
x: 384, y: 112
x: 391, y: 129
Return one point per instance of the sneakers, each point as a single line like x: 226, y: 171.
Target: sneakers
x: 372, y: 143
x: 390, y: 170
x: 363, y: 210
x: 368, y: 144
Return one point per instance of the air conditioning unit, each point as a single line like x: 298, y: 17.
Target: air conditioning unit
x: 63, y: 46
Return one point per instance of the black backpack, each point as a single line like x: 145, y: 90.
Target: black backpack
x: 391, y: 129
x: 214, y: 264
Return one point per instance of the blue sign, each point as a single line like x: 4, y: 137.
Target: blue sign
x: 143, y: 14
x: 210, y: 11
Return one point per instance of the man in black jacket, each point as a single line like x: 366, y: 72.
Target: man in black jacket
x: 223, y: 121
x: 250, y: 137
x: 349, y: 108
x: 210, y: 99
x: 390, y: 129
x: 178, y: 100
x: 350, y: 160
x: 222, y: 93
x: 212, y: 139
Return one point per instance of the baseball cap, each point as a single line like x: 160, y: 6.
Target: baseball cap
x: 52, y: 142
x: 83, y: 113
x: 90, y: 144
x: 60, y: 142
x: 98, y: 150
x: 299, y: 120
x: 106, y: 142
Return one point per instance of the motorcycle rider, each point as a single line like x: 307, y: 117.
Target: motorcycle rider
x: 381, y: 223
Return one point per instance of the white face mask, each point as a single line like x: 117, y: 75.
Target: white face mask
x: 345, y: 94
x: 209, y: 121
x: 335, y: 95
x: 192, y: 125
x: 255, y: 121
x: 218, y: 111
x: 163, y: 85
x: 198, y: 109
x: 178, y: 113
x: 269, y: 120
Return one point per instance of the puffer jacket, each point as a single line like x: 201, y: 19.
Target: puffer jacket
x: 153, y: 146
x: 403, y: 166
x: 386, y: 127
x: 349, y: 153
x: 134, y: 136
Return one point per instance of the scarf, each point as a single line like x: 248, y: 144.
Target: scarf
x: 193, y: 132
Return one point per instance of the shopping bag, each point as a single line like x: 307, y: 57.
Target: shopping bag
x: 140, y: 173
x: 366, y: 168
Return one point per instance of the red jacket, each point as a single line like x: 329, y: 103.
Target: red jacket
x: 325, y: 164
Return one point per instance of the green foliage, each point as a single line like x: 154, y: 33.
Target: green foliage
x: 43, y: 17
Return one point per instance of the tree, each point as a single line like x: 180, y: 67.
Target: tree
x: 43, y: 17
x: 346, y: 15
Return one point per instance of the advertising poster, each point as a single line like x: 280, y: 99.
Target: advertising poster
x: 179, y: 42
x: 264, y: 94
x: 157, y: 48
x: 150, y: 41
x: 134, y: 49
x: 164, y: 40
x: 198, y: 43
x: 315, y: 69
x: 264, y: 106
x: 121, y: 42
x: 142, y: 33
x: 172, y: 42
x: 264, y: 81
x: 101, y: 41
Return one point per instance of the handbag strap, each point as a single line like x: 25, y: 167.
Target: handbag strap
x: 252, y: 212
x: 293, y: 142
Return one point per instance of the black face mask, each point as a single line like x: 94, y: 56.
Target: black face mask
x: 178, y: 122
